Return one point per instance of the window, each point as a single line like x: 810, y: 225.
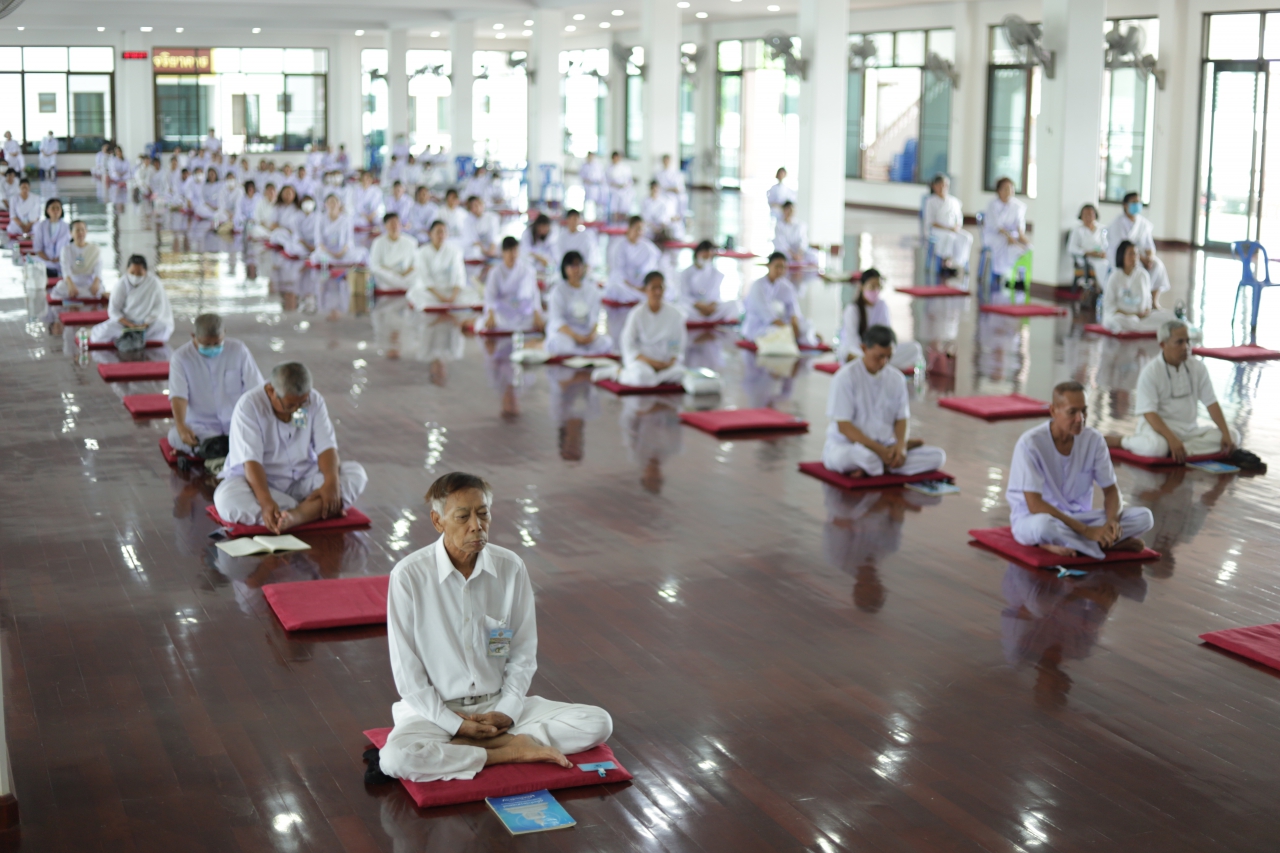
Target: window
x: 255, y: 99
x: 1013, y: 106
x: 584, y: 91
x: 634, y: 106
x: 729, y: 112
x: 374, y: 119
x: 429, y: 89
x: 1128, y: 111
x: 758, y: 124
x: 688, y: 104
x: 64, y: 89
x: 500, y: 109
x: 1239, y: 131
x: 899, y: 111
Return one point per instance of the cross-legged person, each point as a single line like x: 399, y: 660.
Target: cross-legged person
x: 700, y: 298
x: 207, y: 377
x: 512, y: 302
x: 283, y: 469
x: 1171, y: 389
x: 1126, y: 299
x: 866, y: 310
x: 138, y: 302
x: 630, y: 260
x: 463, y: 640
x: 869, y: 409
x: 774, y: 301
x: 653, y: 339
x: 573, y: 311
x: 441, y: 274
x: 1055, y: 467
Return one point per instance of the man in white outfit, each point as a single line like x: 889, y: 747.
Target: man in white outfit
x: 512, y: 302
x: 49, y: 156
x: 138, y: 301
x: 944, y: 222
x: 283, y: 468
x: 779, y: 194
x: 24, y: 210
x: 442, y: 277
x: 771, y: 301
x: 621, y: 187
x: 700, y: 282
x: 653, y: 339
x: 1170, y: 391
x: 1055, y: 467
x: 392, y: 256
x: 870, y: 410
x: 1131, y: 225
x: 463, y: 641
x: 594, y: 185
x: 207, y: 377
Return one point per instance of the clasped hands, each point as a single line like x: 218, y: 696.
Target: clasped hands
x: 484, y: 726
x: 1105, y: 535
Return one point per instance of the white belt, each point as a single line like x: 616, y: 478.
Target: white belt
x: 475, y: 700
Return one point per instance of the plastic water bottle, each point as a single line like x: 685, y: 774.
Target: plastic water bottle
x: 517, y: 341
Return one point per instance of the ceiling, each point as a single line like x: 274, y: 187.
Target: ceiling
x: 374, y: 17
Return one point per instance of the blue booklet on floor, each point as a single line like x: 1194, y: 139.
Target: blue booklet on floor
x: 534, y: 812
x: 934, y: 487
x: 1214, y: 467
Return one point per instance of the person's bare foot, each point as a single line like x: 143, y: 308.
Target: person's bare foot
x: 523, y: 749
x: 1133, y: 543
x: 1113, y: 440
x: 856, y: 473
x: 913, y: 443
x: 393, y: 354
x: 1060, y: 550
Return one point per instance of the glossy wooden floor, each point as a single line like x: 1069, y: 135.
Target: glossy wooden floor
x: 788, y: 668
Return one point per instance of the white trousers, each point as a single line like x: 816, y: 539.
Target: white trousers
x: 1159, y: 278
x: 1005, y: 254
x: 953, y: 246
x: 235, y: 500
x: 842, y: 456
x: 419, y: 750
x: 617, y: 290
x: 354, y: 256
x: 1133, y: 323
x: 1203, y: 439
x: 1044, y: 529
x: 725, y: 312
x: 906, y: 354
x: 640, y: 375
x: 108, y: 330
x: 558, y: 343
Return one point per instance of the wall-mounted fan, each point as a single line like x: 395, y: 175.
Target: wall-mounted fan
x: 689, y: 63
x: 1022, y: 34
x: 782, y: 46
x: 625, y: 56
x: 8, y: 6
x: 944, y: 68
x: 862, y: 54
x: 1124, y: 50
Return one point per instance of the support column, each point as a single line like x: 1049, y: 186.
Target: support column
x: 822, y: 119
x: 704, y: 99
x: 135, y: 122
x: 660, y: 32
x: 1068, y: 130
x: 462, y: 44
x: 397, y: 88
x: 546, y: 126
x: 346, y: 123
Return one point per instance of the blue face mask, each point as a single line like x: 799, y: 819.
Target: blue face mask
x: 209, y: 352
x: 1134, y: 208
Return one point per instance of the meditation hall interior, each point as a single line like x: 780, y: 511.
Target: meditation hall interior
x: 817, y: 426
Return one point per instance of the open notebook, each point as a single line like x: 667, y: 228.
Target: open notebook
x: 248, y: 545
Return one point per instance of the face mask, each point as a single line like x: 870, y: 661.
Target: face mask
x: 209, y: 352
x: 308, y: 206
x: 872, y: 296
x: 199, y: 179
x: 1134, y: 208
x: 133, y: 279
x: 699, y: 262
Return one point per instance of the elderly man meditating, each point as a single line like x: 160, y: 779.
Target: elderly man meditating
x: 463, y: 639
x: 869, y: 408
x: 283, y: 468
x: 653, y: 339
x: 207, y: 377
x: 1055, y: 467
x: 1170, y: 389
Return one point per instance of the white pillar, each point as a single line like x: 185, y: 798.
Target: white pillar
x: 546, y: 126
x: 135, y: 121
x: 1173, y: 152
x: 660, y: 34
x: 397, y: 87
x: 462, y: 44
x: 346, y: 119
x: 1068, y: 130
x: 822, y: 30
x: 704, y: 99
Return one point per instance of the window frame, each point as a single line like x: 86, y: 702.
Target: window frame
x: 1030, y: 70
x: 65, y: 143
x: 1148, y: 131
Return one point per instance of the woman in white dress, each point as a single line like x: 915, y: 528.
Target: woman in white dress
x: 867, y: 310
x: 1087, y: 244
x: 1004, y: 229
x: 1126, y: 302
x: 573, y: 311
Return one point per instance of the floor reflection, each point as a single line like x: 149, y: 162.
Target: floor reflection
x: 651, y: 432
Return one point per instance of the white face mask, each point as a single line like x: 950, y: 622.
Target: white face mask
x: 134, y: 279
x: 308, y: 206
x: 199, y: 179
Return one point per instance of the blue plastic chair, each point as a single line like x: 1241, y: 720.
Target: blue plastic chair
x: 1246, y: 250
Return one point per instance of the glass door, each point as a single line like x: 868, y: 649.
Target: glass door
x: 1231, y: 150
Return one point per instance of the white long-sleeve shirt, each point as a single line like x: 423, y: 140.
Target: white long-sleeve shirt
x: 438, y: 627
x: 778, y: 195
x: 657, y: 335
x: 1126, y: 294
x: 575, y: 307
x: 391, y: 260
x: 630, y: 262
x: 511, y: 293
x: 583, y: 241
x: 872, y: 402
x: 766, y: 302
x: 943, y: 212
x: 212, y: 386
x: 1082, y: 241
x: 790, y: 238
x: 441, y: 269
x: 700, y: 284
x: 26, y: 209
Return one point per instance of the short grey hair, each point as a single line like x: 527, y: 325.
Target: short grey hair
x: 291, y: 379
x: 208, y: 326
x: 1167, y: 327
x: 456, y: 481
